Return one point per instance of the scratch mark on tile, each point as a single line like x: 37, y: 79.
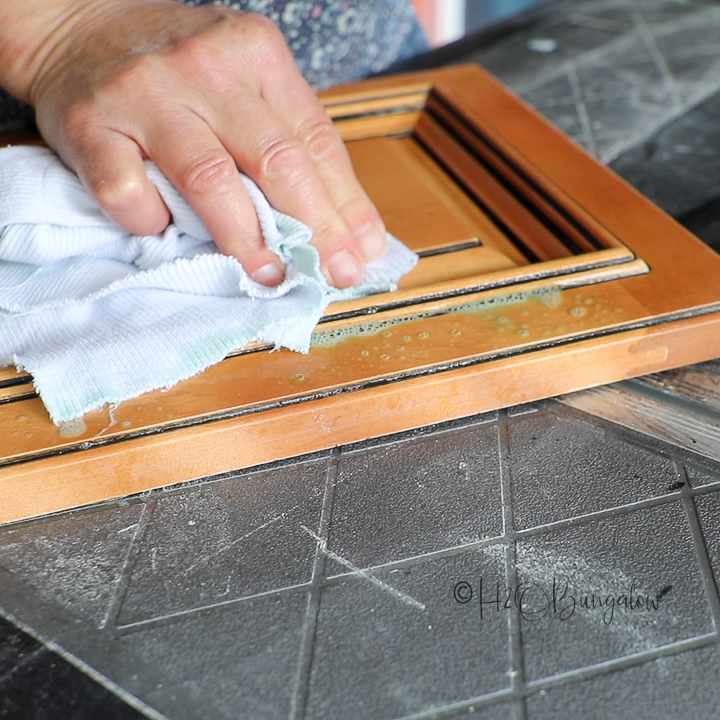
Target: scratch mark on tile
x: 235, y: 542
x: 585, y: 20
x: 24, y: 660
x: 363, y: 573
x: 581, y: 108
x: 659, y: 60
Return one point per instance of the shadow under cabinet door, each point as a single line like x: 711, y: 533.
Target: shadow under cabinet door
x: 541, y: 273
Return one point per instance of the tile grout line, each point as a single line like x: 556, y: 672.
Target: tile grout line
x: 116, y: 602
x: 701, y: 551
x: 623, y: 663
x: 547, y: 528
x: 708, y: 489
x: 571, y: 676
x: 623, y: 433
x: 301, y: 692
x: 517, y: 670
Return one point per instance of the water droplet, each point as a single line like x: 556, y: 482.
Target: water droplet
x: 400, y: 348
x: 364, y: 353
x: 28, y: 435
x: 72, y: 428
x: 192, y: 522
x: 424, y: 335
x: 159, y: 407
x: 402, y: 357
x: 407, y: 338
x: 504, y: 320
x: 560, y: 328
x: 125, y: 423
x: 21, y: 418
x: 578, y: 311
x: 298, y: 378
x: 522, y: 333
x: 455, y: 331
x: 589, y: 301
x: 384, y: 357
x: 387, y: 333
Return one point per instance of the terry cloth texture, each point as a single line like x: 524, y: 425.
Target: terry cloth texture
x: 99, y: 316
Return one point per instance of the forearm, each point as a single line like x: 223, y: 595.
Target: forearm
x: 31, y: 31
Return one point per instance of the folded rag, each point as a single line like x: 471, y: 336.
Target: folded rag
x: 99, y: 316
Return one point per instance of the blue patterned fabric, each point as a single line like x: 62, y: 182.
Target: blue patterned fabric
x: 334, y: 41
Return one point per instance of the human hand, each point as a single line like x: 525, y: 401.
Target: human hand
x: 201, y: 91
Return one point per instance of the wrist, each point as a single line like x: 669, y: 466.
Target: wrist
x: 35, y: 36
x: 29, y: 29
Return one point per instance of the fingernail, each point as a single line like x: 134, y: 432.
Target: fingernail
x: 344, y: 269
x: 269, y: 275
x: 371, y: 240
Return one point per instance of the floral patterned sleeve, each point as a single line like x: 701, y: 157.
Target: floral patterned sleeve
x: 334, y: 41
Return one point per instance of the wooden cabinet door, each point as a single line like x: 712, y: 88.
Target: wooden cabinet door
x: 541, y: 273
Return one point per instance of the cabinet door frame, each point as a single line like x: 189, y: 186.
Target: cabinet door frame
x: 611, y: 288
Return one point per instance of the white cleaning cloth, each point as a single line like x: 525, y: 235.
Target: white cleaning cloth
x: 99, y: 316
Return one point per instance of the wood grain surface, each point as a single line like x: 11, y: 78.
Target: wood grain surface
x: 541, y: 273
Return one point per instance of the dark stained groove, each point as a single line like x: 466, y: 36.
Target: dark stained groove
x: 520, y: 173
x: 379, y: 113
x: 373, y: 98
x: 31, y: 395
x: 469, y: 245
x: 481, y: 287
x: 13, y: 382
x: 494, y: 217
x: 377, y: 382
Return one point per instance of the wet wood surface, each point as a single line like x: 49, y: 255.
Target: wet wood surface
x: 541, y: 274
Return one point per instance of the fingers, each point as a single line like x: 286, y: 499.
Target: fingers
x: 298, y: 106
x: 197, y: 164
x: 110, y: 165
x: 280, y: 164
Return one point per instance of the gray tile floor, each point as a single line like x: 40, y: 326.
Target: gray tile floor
x: 621, y: 69
x: 508, y: 564
x: 553, y: 561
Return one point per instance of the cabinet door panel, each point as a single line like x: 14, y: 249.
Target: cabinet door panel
x: 541, y: 273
